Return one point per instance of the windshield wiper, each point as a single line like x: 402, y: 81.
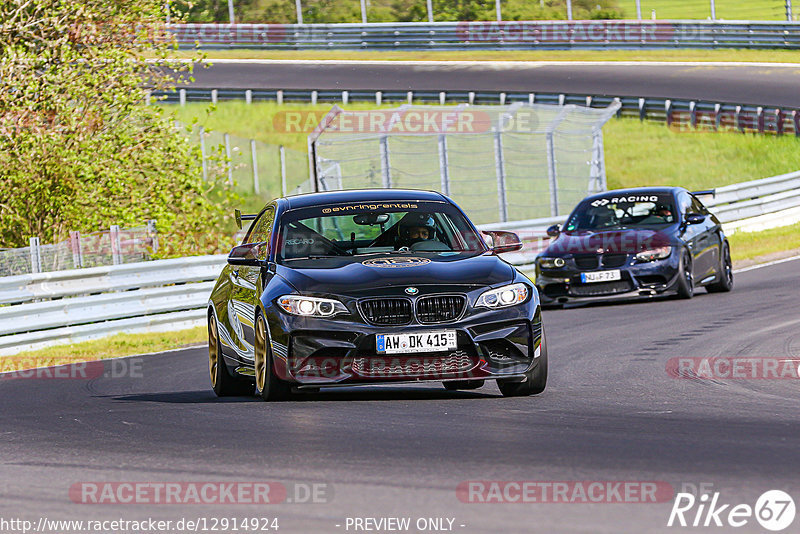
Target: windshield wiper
x: 317, y: 257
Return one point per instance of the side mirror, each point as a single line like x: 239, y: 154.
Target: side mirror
x: 554, y: 230
x: 246, y: 254
x: 504, y: 241
x: 695, y: 218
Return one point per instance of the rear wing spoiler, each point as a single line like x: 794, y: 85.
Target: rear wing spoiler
x: 712, y: 192
x: 239, y: 218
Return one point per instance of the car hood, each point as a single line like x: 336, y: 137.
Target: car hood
x: 625, y: 241
x: 356, y: 275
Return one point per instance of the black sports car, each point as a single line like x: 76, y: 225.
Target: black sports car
x: 376, y: 286
x: 639, y: 242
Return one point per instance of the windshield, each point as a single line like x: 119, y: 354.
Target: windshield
x: 622, y: 212
x: 375, y: 228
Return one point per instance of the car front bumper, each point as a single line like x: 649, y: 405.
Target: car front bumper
x: 499, y: 344
x: 638, y: 280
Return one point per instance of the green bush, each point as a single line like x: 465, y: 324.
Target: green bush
x: 78, y: 149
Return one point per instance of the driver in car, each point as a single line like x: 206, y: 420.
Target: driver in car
x: 414, y: 228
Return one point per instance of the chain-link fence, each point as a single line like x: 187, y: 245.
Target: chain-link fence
x: 500, y: 163
x: 110, y: 247
x: 252, y: 167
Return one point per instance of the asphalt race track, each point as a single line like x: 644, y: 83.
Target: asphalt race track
x: 611, y: 412
x: 764, y: 85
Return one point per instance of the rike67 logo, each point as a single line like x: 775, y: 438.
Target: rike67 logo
x: 774, y: 510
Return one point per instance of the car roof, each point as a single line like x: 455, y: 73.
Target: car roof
x: 362, y: 195
x: 637, y: 191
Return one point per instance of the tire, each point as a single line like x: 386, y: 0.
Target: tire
x: 535, y: 379
x: 725, y: 282
x: 455, y: 385
x: 685, y: 285
x: 268, y: 386
x: 223, y: 384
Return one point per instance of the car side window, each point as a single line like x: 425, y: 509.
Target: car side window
x: 684, y: 203
x: 698, y: 207
x: 262, y: 229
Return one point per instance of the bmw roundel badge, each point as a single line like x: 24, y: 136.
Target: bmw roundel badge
x: 412, y: 290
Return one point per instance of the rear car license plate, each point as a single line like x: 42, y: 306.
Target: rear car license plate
x: 439, y: 341
x: 601, y: 276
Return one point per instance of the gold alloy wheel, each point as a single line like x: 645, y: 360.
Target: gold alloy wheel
x: 260, y: 354
x: 213, y: 350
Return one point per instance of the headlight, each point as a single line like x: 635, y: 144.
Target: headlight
x: 551, y: 263
x: 658, y: 253
x: 310, y: 306
x: 503, y: 296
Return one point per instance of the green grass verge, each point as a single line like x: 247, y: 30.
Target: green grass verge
x: 110, y: 347
x: 725, y: 9
x: 755, y: 245
x: 642, y: 154
x: 759, y: 56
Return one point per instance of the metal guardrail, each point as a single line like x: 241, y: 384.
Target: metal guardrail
x: 491, y: 35
x: 42, y: 309
x: 77, y: 305
x: 679, y: 114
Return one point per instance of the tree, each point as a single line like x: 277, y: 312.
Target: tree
x: 79, y: 149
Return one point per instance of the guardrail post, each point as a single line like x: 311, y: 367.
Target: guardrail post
x: 386, y: 173
x: 444, y: 165
x: 693, y: 113
x: 796, y: 122
x: 345, y: 97
x: 442, y: 98
x: 471, y: 97
x: 779, y: 121
x: 36, y: 255
x: 500, y: 171
x: 410, y: 96
x: 279, y: 97
x: 248, y: 96
x: 378, y: 97
x: 75, y: 246
x: 254, y: 157
x: 531, y: 98
x: 229, y: 163
x: 562, y: 98
x: 717, y: 116
x: 588, y: 101
x: 152, y: 231
x: 299, y: 9
x: 282, y: 154
x: 737, y: 119
x: 182, y: 97
x: 668, y: 112
x: 760, y: 117
x: 116, y: 253
x: 502, y: 99
x: 214, y: 94
x: 551, y: 173
x: 788, y: 10
x: 314, y: 95
x: 203, y: 153
x: 642, y: 111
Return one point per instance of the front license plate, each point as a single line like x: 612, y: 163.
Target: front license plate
x: 601, y: 276
x: 440, y: 341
